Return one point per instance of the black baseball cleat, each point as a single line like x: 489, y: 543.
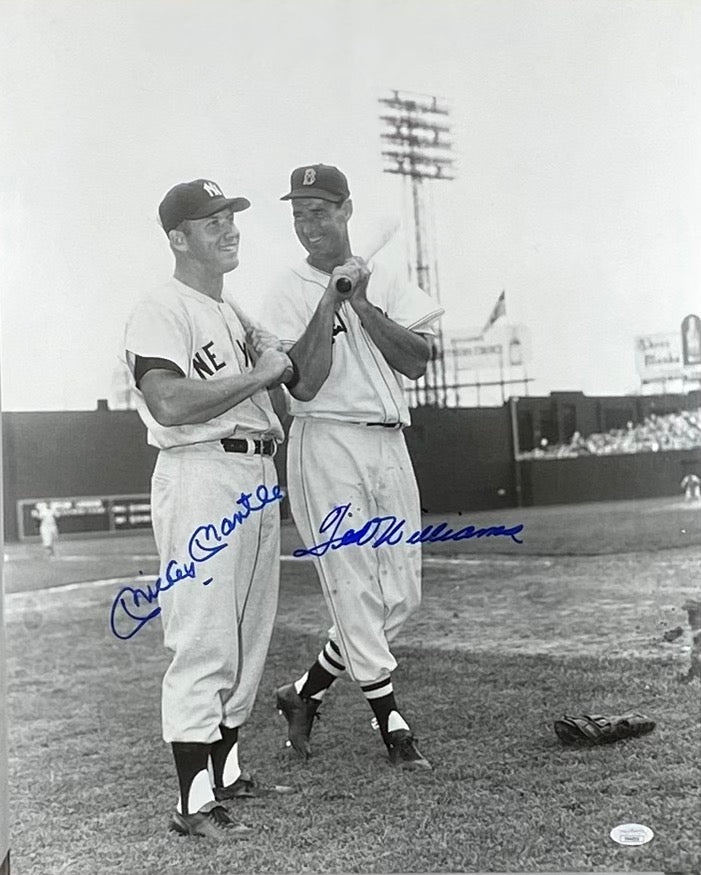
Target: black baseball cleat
x: 403, y: 751
x: 212, y: 821
x: 244, y: 787
x: 300, y: 714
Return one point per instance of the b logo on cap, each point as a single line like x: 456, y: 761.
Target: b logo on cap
x: 212, y: 189
x: 309, y: 176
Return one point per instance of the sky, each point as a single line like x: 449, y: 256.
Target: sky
x: 576, y: 129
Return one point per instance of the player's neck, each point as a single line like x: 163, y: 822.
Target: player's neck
x: 192, y: 275
x: 328, y: 264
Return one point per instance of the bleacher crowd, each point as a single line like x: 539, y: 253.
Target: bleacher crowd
x: 674, y: 431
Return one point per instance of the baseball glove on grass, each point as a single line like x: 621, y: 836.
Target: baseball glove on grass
x: 592, y: 729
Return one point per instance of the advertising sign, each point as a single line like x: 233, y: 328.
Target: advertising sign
x: 659, y: 356
x: 503, y: 347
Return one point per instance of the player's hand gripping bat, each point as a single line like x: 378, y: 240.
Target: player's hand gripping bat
x: 259, y: 338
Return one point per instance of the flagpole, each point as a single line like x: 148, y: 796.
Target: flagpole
x: 456, y: 375
x: 501, y: 371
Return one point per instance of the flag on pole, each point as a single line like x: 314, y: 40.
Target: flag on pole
x: 498, y: 311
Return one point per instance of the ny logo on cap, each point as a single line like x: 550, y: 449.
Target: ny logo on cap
x: 309, y: 176
x: 212, y: 189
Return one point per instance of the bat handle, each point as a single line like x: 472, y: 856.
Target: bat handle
x: 343, y: 285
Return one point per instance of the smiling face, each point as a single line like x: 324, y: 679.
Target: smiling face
x: 322, y: 229
x: 212, y: 242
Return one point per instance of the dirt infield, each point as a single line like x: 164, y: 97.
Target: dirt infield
x: 599, y: 606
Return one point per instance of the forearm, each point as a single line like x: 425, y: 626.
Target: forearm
x: 312, y: 353
x: 174, y: 400
x: 279, y: 401
x: 404, y: 350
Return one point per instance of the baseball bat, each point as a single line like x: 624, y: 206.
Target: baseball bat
x: 245, y: 320
x: 381, y: 235
x: 250, y: 325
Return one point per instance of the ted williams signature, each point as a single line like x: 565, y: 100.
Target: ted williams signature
x: 388, y: 530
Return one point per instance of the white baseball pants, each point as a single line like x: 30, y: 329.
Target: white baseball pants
x: 370, y: 592
x: 219, y: 631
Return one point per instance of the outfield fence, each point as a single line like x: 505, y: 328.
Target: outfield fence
x: 96, y: 465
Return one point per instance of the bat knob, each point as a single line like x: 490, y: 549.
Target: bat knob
x: 343, y: 285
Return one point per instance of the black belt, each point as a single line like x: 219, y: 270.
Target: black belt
x: 265, y: 447
x: 384, y: 424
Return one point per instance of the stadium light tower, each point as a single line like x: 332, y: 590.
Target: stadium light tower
x: 417, y: 146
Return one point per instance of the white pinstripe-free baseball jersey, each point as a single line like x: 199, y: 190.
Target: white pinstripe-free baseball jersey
x: 339, y: 454
x: 361, y: 386
x: 206, y: 340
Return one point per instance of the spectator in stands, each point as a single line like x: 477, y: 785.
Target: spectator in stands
x: 675, y: 431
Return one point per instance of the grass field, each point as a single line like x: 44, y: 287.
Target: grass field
x: 509, y: 637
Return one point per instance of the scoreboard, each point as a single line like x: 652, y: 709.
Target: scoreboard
x: 88, y: 514
x: 131, y: 513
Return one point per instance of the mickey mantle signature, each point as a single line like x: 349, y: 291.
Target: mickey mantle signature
x: 133, y: 607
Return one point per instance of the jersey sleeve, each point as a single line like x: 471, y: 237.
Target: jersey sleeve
x: 144, y: 365
x: 410, y: 307
x: 284, y: 312
x: 155, y: 331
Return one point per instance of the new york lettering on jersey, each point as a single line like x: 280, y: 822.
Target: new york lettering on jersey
x: 205, y: 361
x: 206, y: 340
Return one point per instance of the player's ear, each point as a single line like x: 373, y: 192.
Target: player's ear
x: 178, y: 239
x: 347, y: 208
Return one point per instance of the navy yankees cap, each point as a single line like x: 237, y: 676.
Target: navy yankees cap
x: 318, y: 180
x: 196, y: 200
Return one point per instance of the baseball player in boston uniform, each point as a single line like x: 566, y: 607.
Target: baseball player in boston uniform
x: 346, y: 447
x: 202, y: 393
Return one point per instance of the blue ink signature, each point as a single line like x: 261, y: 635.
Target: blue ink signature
x: 137, y: 604
x: 390, y: 530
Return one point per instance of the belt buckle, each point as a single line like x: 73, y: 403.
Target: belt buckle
x: 266, y: 447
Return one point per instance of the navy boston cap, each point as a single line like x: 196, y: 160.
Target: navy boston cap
x: 318, y: 180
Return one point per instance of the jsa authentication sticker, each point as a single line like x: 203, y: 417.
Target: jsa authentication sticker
x: 631, y: 834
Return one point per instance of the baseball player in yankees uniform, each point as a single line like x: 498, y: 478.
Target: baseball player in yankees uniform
x: 346, y: 447
x: 205, y: 405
